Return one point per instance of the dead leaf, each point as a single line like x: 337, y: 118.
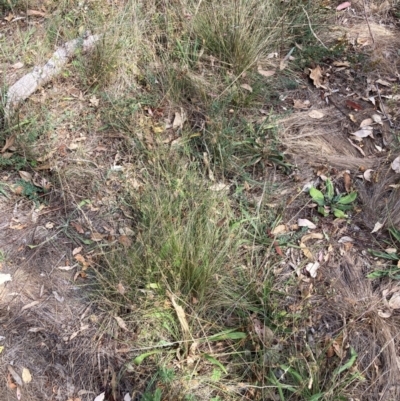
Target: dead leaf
x: 264, y: 333
x: 59, y: 298
x: 79, y: 258
x: 306, y: 223
x: 121, y: 289
x: 94, y: 101
x: 10, y: 382
x: 307, y: 253
x: 368, y: 175
x: 280, y: 229
x: 100, y: 397
x: 30, y: 305
x: 341, y: 64
x: 345, y: 240
x: 383, y: 82
x: 353, y: 105
x: 25, y: 176
x: 181, y: 315
x: 125, y: 241
x: 247, y: 87
x: 9, y: 17
x: 364, y: 132
x: 77, y: 227
x: 219, y: 186
x: 283, y: 64
x: 377, y: 227
x: 66, y: 268
x: 343, y: 6
x: 15, y: 375
x: 9, y: 142
x: 73, y: 146
x: 121, y: 323
x: 394, y: 302
x: 264, y: 73
x: 76, y: 250
x: 377, y: 119
x: 384, y: 314
x: 316, y: 114
x: 396, y: 164
x: 300, y: 105
x: 35, y: 13
x: 347, y: 181
x: 316, y: 76
x: 26, y: 375
x: 307, y: 237
x: 17, y: 66
x: 4, y: 277
x: 312, y: 268
x: 178, y: 121
x: 366, y: 122
x: 96, y: 237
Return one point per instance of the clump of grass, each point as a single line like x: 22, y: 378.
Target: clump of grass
x: 239, y: 32
x: 96, y: 69
x: 184, y: 240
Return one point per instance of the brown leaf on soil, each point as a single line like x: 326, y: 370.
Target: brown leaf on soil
x: 26, y: 375
x: 9, y: 142
x: 347, y: 181
x: 96, y: 237
x: 121, y: 289
x: 396, y: 164
x: 35, y: 13
x: 316, y: 76
x: 247, y: 87
x: 15, y: 376
x: 121, y: 323
x: 299, y: 104
x: 125, y: 241
x: 25, y: 176
x: 181, y: 315
x: 353, y: 105
x: 77, y: 227
x: 265, y: 73
x: 30, y: 305
x: 76, y: 251
x: 10, y: 382
x: 79, y: 258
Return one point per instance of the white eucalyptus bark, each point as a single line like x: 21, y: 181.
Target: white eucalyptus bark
x: 40, y: 76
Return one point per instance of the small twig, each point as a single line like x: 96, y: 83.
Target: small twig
x: 383, y: 108
x: 366, y: 20
x: 312, y: 31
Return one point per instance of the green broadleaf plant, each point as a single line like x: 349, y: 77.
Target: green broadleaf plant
x: 329, y: 203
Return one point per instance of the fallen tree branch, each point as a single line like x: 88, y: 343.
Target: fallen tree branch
x: 40, y: 76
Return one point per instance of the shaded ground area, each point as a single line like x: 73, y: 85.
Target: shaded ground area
x: 95, y: 176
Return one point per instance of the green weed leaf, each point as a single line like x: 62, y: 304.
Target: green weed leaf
x: 346, y: 200
x: 329, y: 189
x: 395, y: 233
x: 348, y: 364
x: 227, y: 335
x: 339, y: 213
x: 317, y: 196
x: 323, y: 211
x: 214, y: 362
x: 139, y: 359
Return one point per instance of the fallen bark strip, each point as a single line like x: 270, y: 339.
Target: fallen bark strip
x: 40, y: 76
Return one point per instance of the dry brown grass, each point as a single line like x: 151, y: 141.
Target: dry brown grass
x: 351, y: 312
